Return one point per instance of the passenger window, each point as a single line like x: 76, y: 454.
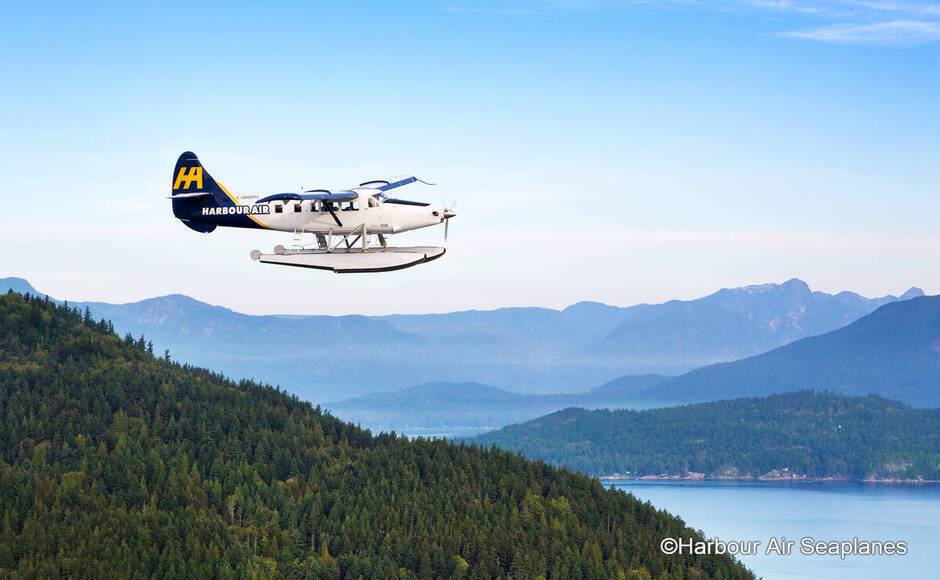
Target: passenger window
x: 278, y: 208
x: 313, y: 205
x: 296, y: 208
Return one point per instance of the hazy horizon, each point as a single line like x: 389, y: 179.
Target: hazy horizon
x: 394, y: 313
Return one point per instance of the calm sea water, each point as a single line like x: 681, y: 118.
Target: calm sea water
x: 824, y: 511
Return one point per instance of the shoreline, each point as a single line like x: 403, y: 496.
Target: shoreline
x: 765, y: 478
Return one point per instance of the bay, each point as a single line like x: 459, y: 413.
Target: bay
x: 839, y: 511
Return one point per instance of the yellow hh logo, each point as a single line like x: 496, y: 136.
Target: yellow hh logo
x: 186, y: 178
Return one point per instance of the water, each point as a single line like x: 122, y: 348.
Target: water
x: 824, y: 511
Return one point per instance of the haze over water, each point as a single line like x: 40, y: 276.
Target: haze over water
x: 742, y: 511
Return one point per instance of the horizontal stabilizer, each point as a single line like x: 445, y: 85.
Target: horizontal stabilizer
x: 189, y: 195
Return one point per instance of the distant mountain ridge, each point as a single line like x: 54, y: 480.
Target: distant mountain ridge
x: 536, y: 350
x: 467, y: 408
x: 737, y: 322
x: 18, y: 285
x: 893, y: 352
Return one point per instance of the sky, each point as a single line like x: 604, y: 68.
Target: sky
x: 623, y: 152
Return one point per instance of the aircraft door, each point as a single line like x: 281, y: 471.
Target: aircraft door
x: 378, y: 220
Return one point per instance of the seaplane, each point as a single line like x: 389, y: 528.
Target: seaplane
x: 343, y: 225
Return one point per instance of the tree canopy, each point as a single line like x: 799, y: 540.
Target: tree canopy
x: 116, y: 463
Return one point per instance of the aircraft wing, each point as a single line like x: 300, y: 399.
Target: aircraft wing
x: 321, y: 194
x: 186, y: 195
x: 391, y: 183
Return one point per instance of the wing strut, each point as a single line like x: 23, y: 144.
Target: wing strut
x: 329, y: 208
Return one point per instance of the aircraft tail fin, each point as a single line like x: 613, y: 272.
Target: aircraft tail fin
x: 189, y: 177
x: 193, y: 190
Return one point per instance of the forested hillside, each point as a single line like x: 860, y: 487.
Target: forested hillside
x: 117, y: 464
x: 817, y: 435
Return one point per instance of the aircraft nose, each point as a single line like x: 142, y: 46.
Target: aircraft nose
x: 448, y: 214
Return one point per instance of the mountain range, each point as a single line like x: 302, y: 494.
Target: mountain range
x: 527, y: 350
x: 738, y: 322
x: 893, y: 352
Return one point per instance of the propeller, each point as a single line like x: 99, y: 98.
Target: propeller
x: 448, y: 213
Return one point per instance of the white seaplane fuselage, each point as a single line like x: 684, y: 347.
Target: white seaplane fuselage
x: 311, y: 216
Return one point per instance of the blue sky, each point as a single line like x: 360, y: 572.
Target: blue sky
x: 616, y: 151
